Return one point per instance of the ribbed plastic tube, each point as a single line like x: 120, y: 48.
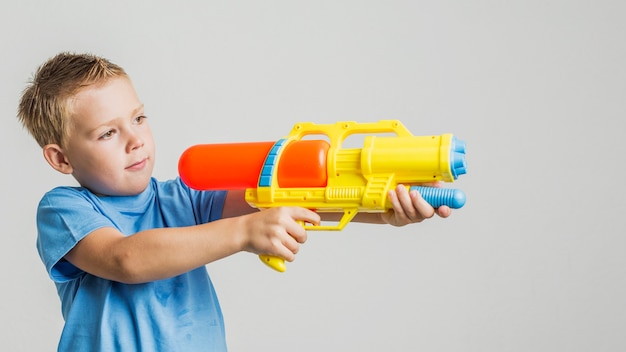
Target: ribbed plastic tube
x: 454, y: 198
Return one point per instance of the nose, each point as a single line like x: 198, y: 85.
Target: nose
x: 135, y: 141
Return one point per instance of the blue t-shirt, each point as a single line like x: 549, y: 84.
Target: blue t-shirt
x: 176, y: 314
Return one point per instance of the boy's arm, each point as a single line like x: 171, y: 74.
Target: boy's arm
x: 166, y: 252
x: 236, y: 205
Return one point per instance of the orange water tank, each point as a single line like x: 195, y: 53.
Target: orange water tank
x: 238, y: 165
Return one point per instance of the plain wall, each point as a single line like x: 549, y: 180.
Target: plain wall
x: 534, y: 261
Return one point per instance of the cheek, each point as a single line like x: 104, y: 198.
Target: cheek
x: 99, y: 166
x: 149, y: 142
x: 100, y: 159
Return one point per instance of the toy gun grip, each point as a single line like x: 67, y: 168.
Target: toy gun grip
x: 273, y: 262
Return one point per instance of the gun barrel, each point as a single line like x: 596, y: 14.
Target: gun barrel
x: 414, y: 158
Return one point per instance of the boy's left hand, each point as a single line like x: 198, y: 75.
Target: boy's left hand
x: 410, y: 207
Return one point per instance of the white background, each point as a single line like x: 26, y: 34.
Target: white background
x: 535, y: 260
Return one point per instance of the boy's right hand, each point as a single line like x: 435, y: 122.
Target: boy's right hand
x: 277, y: 231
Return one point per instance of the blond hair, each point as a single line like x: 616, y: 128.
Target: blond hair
x: 44, y: 106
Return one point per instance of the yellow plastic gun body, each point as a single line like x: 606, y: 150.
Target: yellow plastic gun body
x: 311, y: 168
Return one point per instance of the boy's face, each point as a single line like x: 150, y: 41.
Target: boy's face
x: 109, y: 147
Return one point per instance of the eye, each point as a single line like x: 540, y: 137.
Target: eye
x: 107, y: 135
x: 139, y: 119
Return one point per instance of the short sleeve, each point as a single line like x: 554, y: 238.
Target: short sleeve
x: 65, y: 216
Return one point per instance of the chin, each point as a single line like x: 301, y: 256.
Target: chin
x: 129, y: 189
x: 136, y: 189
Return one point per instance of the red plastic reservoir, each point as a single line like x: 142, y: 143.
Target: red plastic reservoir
x: 303, y: 164
x: 238, y: 165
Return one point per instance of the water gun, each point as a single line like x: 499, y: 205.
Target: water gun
x: 311, y: 168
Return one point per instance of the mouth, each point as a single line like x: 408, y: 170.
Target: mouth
x: 138, y: 165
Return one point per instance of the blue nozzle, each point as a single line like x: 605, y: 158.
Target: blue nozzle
x: 457, y: 158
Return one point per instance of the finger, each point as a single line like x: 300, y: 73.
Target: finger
x: 296, y: 232
x: 295, y: 235
x: 281, y: 250
x: 306, y: 215
x: 291, y: 244
x: 444, y: 211
x: 425, y: 210
x: 406, y: 201
x: 397, y: 215
x: 392, y: 195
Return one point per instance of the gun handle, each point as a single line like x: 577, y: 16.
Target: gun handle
x: 276, y: 263
x: 454, y: 198
x: 273, y: 262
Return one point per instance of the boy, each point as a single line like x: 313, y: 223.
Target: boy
x: 127, y: 252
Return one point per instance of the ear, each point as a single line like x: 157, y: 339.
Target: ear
x: 57, y: 159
